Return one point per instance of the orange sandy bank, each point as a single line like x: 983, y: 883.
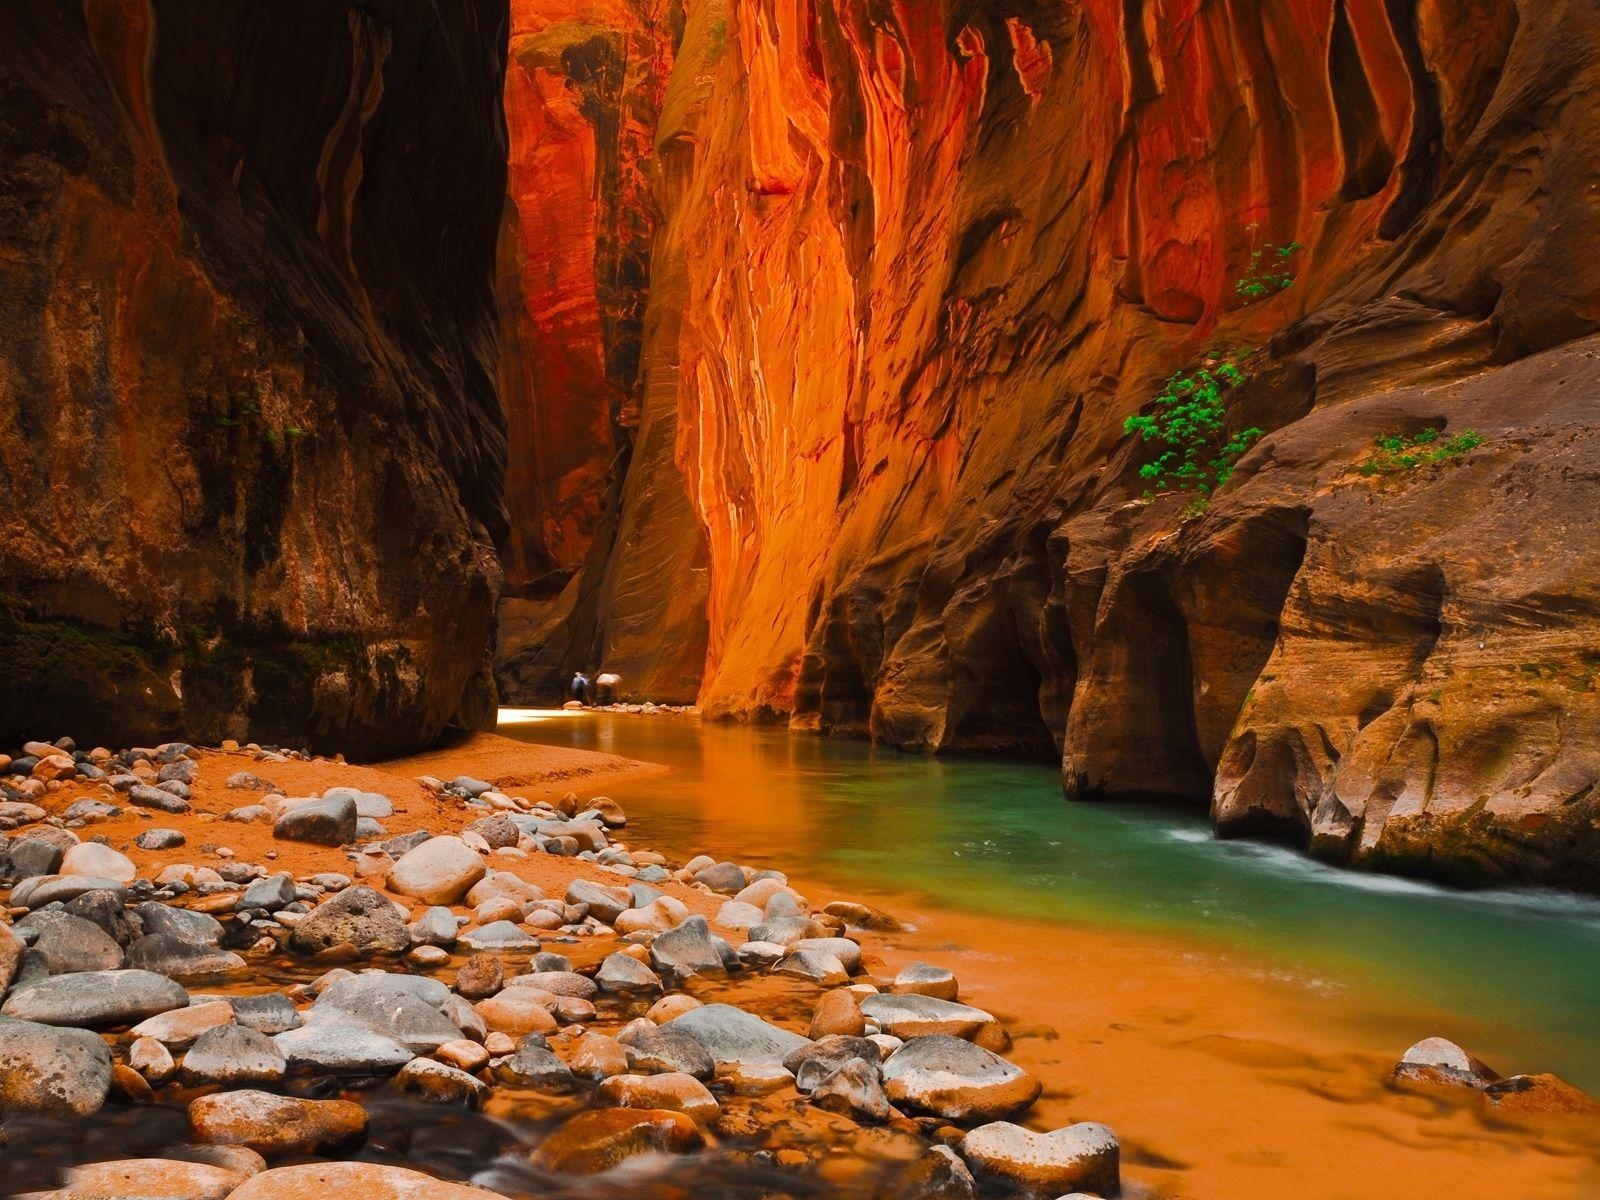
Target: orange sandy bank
x: 1222, y: 1083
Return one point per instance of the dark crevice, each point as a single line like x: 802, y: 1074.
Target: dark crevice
x: 1419, y: 170
x: 1368, y: 158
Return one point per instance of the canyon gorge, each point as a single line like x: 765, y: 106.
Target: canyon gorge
x: 776, y: 355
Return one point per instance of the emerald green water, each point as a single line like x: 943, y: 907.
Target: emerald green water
x: 1513, y: 975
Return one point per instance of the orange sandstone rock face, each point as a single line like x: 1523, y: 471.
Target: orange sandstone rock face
x: 252, y: 474
x: 914, y: 264
x: 583, y: 87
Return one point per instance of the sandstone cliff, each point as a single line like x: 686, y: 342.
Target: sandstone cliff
x: 915, y: 262
x: 252, y: 478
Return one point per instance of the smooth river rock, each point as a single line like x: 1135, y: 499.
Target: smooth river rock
x: 1081, y: 1157
x: 952, y: 1078
x: 352, y: 1181
x: 440, y: 871
x: 732, y: 1036
x: 44, y: 1069
x: 95, y: 999
x: 272, y: 1124
x: 914, y: 1016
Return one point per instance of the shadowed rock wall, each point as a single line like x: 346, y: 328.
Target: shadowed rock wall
x: 915, y: 262
x: 253, y: 475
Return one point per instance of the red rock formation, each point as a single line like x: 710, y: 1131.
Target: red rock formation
x: 253, y: 464
x: 583, y: 87
x: 917, y: 261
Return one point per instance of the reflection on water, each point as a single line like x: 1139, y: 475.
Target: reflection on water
x: 1515, y: 974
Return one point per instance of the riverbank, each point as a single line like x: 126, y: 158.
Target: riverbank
x: 1215, y: 1076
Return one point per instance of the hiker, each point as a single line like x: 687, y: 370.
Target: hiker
x: 580, y: 687
x: 605, y: 687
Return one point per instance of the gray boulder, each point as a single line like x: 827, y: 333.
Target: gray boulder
x: 342, y: 1049
x: 688, y: 950
x: 324, y: 822
x: 191, y: 962
x: 621, y: 973
x: 731, y: 1035
x: 233, y: 1056
x: 359, y: 917
x: 95, y: 999
x: 182, y: 923
x: 142, y: 795
x: 500, y: 937
x: 159, y: 839
x: 270, y: 894
x: 66, y: 944
x: 269, y: 1013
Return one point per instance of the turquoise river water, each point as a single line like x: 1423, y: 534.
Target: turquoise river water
x: 1514, y: 975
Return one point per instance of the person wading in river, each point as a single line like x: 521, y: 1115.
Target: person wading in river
x: 580, y: 687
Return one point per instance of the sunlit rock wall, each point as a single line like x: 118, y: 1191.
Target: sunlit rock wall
x: 251, y: 483
x: 915, y: 263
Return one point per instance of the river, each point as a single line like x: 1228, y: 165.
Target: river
x: 1311, y: 976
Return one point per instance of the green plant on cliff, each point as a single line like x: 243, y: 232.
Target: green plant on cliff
x: 1271, y: 269
x: 1190, y: 420
x: 1401, y: 452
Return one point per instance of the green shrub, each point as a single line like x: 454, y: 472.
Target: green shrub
x: 1270, y: 271
x: 1401, y: 452
x: 1190, y: 420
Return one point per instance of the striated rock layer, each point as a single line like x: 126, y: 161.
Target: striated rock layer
x: 252, y: 481
x: 915, y: 262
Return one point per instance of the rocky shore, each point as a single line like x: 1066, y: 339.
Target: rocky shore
x: 252, y: 972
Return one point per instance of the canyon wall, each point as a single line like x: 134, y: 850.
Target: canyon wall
x: 252, y: 483
x: 916, y: 262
